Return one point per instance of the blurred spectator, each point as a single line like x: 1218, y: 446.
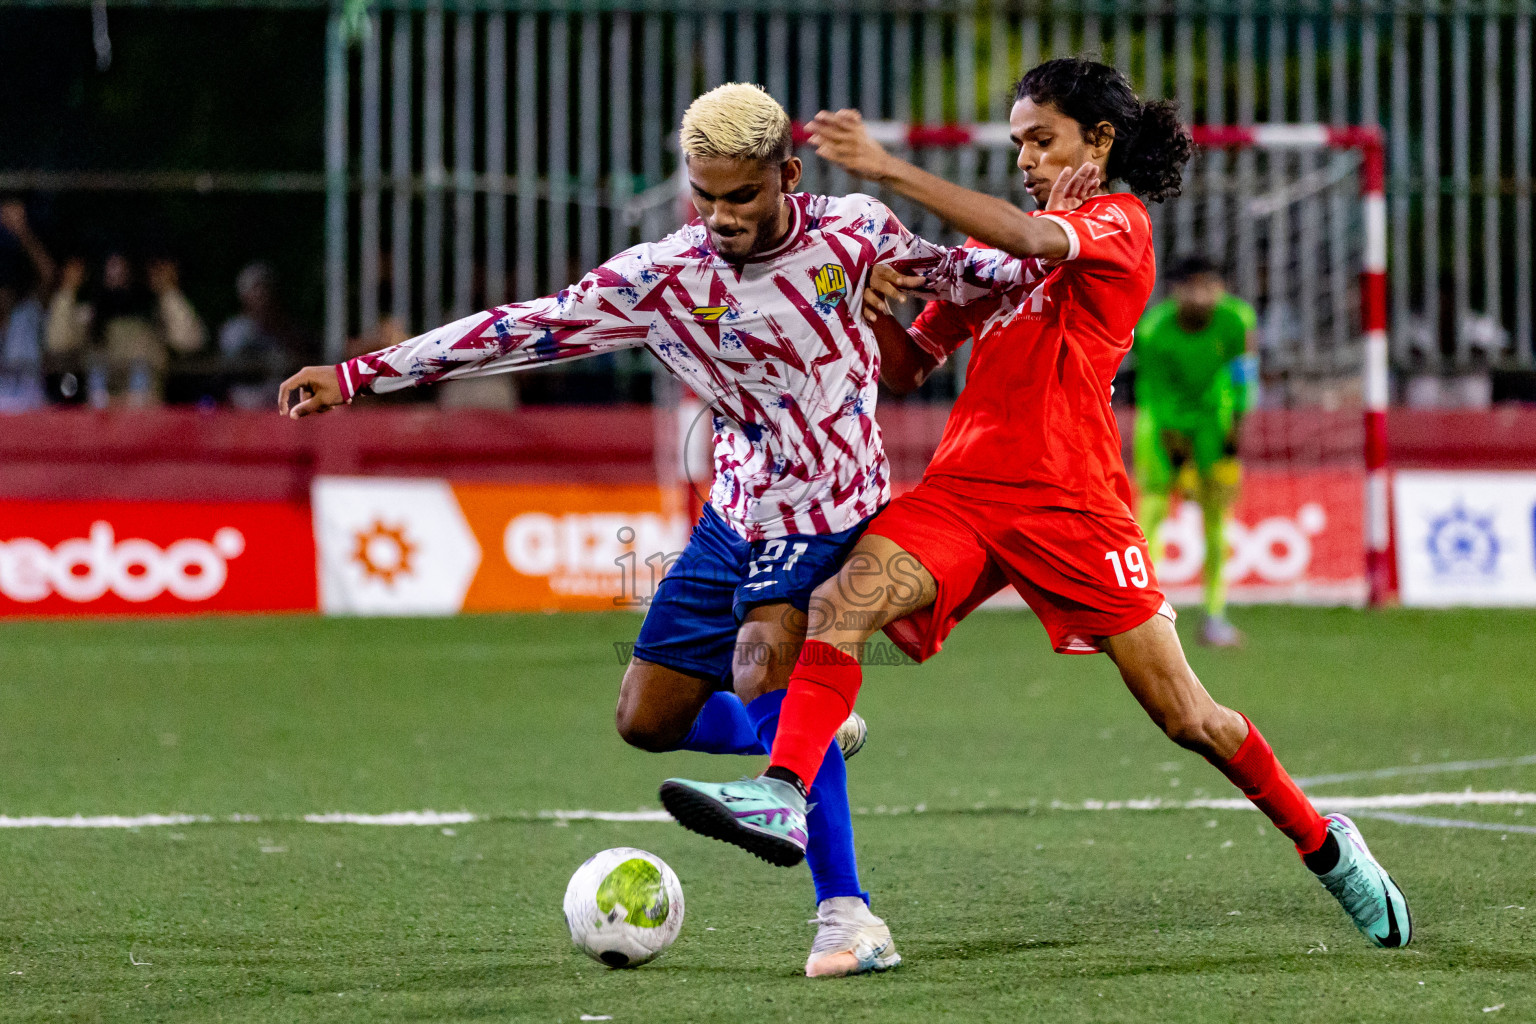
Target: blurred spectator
x: 260, y: 340
x: 25, y: 279
x: 123, y: 337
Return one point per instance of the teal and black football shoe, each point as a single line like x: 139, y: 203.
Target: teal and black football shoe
x: 763, y: 816
x: 1365, y: 890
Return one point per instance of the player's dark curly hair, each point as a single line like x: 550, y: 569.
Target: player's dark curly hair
x: 1191, y: 267
x: 1151, y: 146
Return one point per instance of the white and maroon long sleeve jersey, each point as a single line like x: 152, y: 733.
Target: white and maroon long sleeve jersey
x: 776, y: 345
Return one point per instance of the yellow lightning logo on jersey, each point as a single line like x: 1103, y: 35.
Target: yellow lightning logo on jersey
x: 831, y: 283
x: 710, y: 313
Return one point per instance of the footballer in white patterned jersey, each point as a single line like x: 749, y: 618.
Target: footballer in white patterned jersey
x: 776, y: 343
x: 757, y: 306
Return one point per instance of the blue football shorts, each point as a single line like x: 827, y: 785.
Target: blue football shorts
x: 701, y: 602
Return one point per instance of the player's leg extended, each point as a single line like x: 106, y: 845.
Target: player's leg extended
x: 676, y: 695
x: 849, y: 939
x: 1153, y: 665
x: 767, y: 647
x: 879, y: 582
x: 1154, y: 480
x: 816, y: 824
x: 1220, y: 476
x: 767, y: 650
x: 684, y: 653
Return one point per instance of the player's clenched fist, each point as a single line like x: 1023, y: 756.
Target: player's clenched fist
x: 842, y: 138
x: 311, y: 390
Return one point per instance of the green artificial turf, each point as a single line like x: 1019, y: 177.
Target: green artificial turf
x: 1005, y: 907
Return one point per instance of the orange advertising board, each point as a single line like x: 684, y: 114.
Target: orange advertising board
x: 431, y: 547
x: 568, y: 547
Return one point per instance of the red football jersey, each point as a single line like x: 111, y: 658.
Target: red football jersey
x: 1033, y: 425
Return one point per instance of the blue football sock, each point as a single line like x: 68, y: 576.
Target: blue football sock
x: 829, y: 824
x: 723, y: 727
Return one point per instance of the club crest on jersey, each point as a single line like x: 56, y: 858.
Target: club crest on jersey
x: 1108, y: 221
x: 710, y: 314
x: 831, y: 283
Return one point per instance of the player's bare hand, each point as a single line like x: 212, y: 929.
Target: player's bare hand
x: 887, y: 286
x: 1073, y: 188
x: 843, y: 139
x: 318, y: 390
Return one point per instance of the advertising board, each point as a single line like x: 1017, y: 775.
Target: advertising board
x: 430, y: 547
x: 1295, y: 536
x: 154, y: 557
x: 1465, y: 538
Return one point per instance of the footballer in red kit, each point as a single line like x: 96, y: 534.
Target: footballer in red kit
x: 1027, y: 488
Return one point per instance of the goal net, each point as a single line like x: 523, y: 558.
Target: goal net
x: 1287, y: 227
x: 1295, y: 213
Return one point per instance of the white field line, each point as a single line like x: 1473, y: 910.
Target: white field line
x: 1417, y: 769
x: 1389, y: 802
x: 1327, y: 803
x: 105, y: 821
x: 1419, y: 819
x: 395, y: 818
x: 643, y: 815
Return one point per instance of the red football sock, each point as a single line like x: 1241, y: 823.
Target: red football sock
x: 1255, y: 770
x: 822, y: 689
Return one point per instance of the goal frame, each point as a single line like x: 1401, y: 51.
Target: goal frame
x: 1370, y: 143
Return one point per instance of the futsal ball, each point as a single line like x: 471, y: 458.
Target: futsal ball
x: 624, y: 907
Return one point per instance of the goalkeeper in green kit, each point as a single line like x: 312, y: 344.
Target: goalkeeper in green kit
x: 1195, y: 373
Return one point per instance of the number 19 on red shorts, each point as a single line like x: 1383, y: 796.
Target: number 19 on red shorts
x: 1130, y: 567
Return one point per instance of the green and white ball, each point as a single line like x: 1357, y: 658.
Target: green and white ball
x: 624, y: 907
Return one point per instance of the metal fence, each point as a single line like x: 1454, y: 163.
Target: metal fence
x: 481, y: 151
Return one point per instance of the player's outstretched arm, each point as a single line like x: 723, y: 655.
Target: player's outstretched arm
x: 593, y: 316
x: 842, y: 138
x: 959, y: 280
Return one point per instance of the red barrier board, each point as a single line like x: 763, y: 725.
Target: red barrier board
x: 1295, y: 537
x: 154, y: 557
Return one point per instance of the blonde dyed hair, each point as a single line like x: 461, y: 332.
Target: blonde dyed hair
x: 740, y: 121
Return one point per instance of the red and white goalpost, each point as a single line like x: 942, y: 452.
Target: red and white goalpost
x: 1303, y: 219
x: 1369, y: 143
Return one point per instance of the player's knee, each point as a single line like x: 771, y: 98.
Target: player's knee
x: 1193, y: 730
x: 825, y: 609
x: 644, y: 731
x: 751, y: 678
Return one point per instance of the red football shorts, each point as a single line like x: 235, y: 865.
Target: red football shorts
x: 1086, y: 576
